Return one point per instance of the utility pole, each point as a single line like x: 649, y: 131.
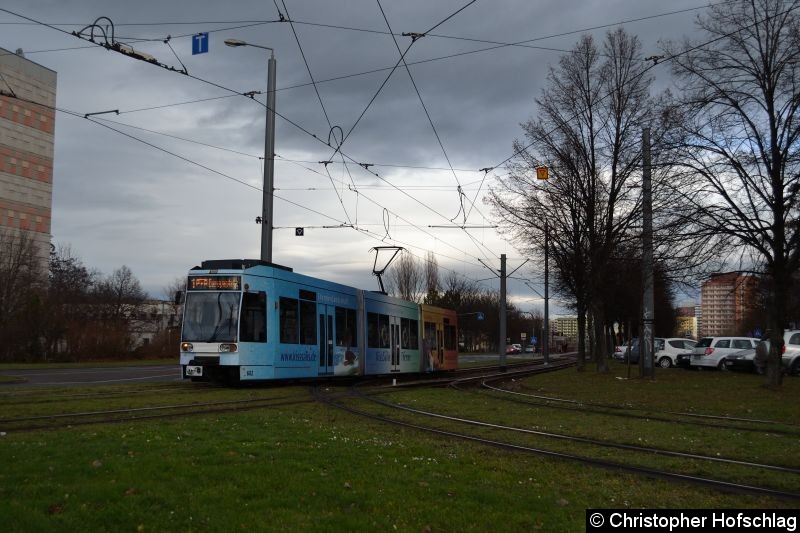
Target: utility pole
x: 503, y: 310
x: 269, y: 165
x: 646, y: 344
x: 269, y: 152
x: 546, y: 340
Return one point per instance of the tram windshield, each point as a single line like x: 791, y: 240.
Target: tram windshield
x: 211, y: 317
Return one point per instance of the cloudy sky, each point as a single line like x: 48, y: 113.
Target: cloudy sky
x: 118, y: 201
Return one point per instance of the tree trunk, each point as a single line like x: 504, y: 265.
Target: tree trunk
x: 581, y: 308
x: 600, y: 347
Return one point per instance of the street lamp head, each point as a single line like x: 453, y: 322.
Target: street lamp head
x: 235, y: 42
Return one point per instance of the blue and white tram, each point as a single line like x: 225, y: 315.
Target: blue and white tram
x: 250, y: 320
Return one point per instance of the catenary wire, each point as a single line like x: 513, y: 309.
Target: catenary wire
x: 222, y: 174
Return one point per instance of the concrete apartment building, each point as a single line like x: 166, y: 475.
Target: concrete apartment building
x: 566, y: 326
x: 724, y: 301
x: 26, y: 149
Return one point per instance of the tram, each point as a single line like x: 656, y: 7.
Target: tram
x: 246, y: 319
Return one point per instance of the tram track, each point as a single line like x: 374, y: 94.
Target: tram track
x: 620, y: 412
x: 586, y: 440
x: 674, y: 476
x: 68, y: 419
x: 115, y: 416
x: 677, y: 413
x: 20, y: 398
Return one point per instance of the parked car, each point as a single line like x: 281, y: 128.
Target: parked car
x: 742, y: 361
x: 513, y: 348
x: 619, y: 351
x: 667, y: 353
x: 710, y: 352
x: 662, y: 357
x: 791, y: 353
x: 629, y: 354
x: 530, y: 348
x: 684, y: 360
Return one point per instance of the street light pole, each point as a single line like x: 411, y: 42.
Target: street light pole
x: 503, y: 310
x: 646, y: 344
x: 546, y: 340
x: 269, y: 153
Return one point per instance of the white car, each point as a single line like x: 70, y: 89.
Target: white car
x: 668, y: 350
x: 790, y: 357
x: 710, y: 352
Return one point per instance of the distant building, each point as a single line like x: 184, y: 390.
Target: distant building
x: 686, y: 322
x: 153, y: 318
x: 724, y: 300
x: 566, y: 326
x: 26, y: 148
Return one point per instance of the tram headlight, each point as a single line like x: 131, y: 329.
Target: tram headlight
x: 227, y: 348
x: 187, y: 347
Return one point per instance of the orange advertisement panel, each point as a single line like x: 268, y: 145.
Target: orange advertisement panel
x: 439, y: 338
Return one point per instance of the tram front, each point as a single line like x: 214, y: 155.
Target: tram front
x: 210, y: 334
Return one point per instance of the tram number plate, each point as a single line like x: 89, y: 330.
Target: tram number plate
x: 194, y: 370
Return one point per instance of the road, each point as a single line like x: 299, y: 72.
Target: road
x: 93, y: 376
x: 153, y: 373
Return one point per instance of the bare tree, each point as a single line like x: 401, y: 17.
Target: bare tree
x: 176, y: 285
x: 588, y: 134
x: 432, y: 285
x: 69, y: 295
x: 737, y: 132
x: 121, y: 293
x: 119, y: 304
x: 405, y: 278
x: 22, y: 293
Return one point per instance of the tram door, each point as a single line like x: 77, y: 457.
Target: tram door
x: 394, y: 327
x: 326, y: 329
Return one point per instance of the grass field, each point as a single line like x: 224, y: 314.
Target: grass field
x: 310, y: 466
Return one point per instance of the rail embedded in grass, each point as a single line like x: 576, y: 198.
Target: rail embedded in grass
x: 621, y: 467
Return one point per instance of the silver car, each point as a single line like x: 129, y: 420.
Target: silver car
x: 791, y: 353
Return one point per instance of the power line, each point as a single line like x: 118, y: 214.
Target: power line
x: 402, y: 56
x: 378, y: 204
x: 303, y: 129
x: 421, y: 101
x: 181, y: 138
x: 319, y: 97
x: 222, y: 174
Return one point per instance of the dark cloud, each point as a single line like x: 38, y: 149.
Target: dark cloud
x: 118, y: 201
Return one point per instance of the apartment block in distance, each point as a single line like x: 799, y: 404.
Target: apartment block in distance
x: 724, y: 300
x: 686, y: 325
x: 27, y: 127
x: 566, y: 326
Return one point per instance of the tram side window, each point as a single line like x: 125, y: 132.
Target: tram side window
x: 409, y: 337
x: 288, y: 320
x: 449, y: 337
x: 253, y: 327
x: 413, y: 334
x: 383, y: 333
x: 346, y: 328
x: 372, y: 330
x: 377, y: 330
x: 308, y: 324
x: 430, y: 333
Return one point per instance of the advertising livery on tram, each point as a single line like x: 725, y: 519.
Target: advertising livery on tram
x: 250, y: 320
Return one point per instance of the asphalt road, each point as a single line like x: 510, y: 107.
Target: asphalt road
x: 94, y: 376
x: 155, y: 373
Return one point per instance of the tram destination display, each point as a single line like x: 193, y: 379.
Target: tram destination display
x: 214, y: 283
